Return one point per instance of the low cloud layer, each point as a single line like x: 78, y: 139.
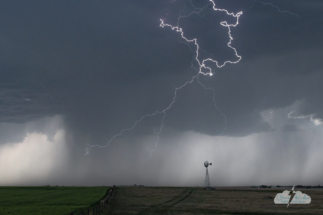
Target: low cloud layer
x: 35, y: 158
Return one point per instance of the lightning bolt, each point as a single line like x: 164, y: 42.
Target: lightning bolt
x: 292, y: 194
x: 87, y: 150
x: 274, y: 6
x: 201, y: 70
x: 216, y: 106
x: 194, y: 40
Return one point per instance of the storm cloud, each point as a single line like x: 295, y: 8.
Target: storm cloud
x: 76, y: 73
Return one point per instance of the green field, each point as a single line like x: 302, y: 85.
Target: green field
x: 197, y: 201
x: 48, y: 200
x: 152, y: 200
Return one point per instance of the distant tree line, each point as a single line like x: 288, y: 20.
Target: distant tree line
x: 290, y: 186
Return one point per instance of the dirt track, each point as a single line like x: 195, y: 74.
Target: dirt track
x: 189, y: 201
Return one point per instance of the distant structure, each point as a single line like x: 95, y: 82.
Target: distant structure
x: 207, y: 178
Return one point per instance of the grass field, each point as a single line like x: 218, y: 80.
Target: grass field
x: 189, y: 201
x: 48, y: 200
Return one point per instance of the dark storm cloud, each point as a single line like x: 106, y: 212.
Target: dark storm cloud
x: 110, y: 63
x: 16, y: 132
x: 104, y: 64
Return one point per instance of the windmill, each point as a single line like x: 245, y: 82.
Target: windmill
x: 207, y: 178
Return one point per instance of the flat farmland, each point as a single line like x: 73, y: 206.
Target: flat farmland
x: 197, y: 201
x: 48, y: 200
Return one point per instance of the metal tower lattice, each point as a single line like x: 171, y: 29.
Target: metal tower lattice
x: 207, y: 178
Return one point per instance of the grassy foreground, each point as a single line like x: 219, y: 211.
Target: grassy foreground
x: 48, y: 200
x: 196, y: 201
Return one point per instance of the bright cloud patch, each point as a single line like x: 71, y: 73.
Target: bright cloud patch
x: 33, y: 159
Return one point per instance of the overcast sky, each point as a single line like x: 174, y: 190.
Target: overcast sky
x: 77, y: 77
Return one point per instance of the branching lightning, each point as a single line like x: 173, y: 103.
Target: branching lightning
x: 274, y: 6
x: 87, y: 150
x: 194, y: 40
x: 201, y: 70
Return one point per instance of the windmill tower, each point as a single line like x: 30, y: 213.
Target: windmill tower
x: 207, y: 178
